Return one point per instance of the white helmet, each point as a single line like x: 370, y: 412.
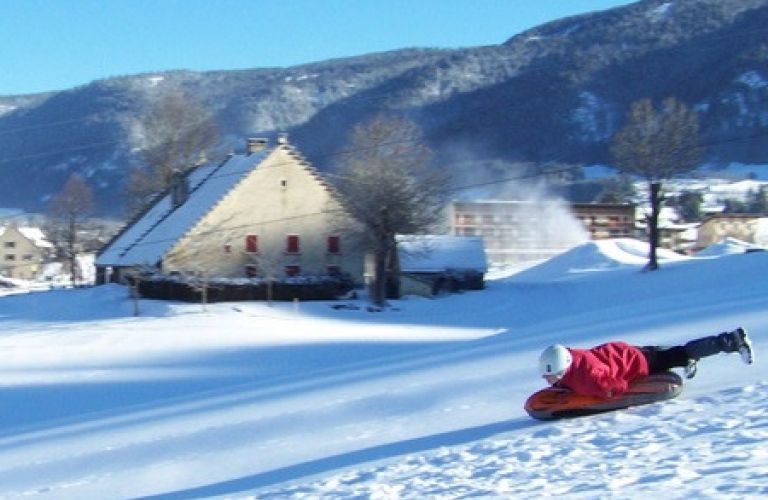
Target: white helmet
x: 555, y: 360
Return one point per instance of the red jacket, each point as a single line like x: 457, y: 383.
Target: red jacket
x: 604, y: 371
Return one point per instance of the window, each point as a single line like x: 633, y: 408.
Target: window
x: 10, y: 257
x: 252, y: 243
x: 334, y: 244
x: 227, y: 248
x: 292, y: 270
x: 292, y: 244
x: 334, y: 271
x: 9, y: 244
x: 251, y: 271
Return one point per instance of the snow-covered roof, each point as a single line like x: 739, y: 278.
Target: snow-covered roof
x: 36, y: 235
x: 33, y: 234
x: 438, y: 253
x: 148, y: 239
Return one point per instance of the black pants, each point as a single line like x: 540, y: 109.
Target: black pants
x: 661, y: 359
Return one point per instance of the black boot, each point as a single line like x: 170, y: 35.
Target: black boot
x: 744, y: 346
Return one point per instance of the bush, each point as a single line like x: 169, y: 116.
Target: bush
x: 187, y: 290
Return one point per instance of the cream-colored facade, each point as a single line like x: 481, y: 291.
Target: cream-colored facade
x: 22, y: 257
x: 718, y: 227
x: 277, y: 219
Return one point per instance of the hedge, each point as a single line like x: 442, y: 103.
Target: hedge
x: 174, y: 289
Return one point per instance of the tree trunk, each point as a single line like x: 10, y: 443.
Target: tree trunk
x: 71, y: 251
x: 393, y: 273
x: 653, y: 226
x: 379, y: 288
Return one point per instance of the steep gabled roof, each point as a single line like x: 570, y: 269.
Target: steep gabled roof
x: 150, y: 237
x: 36, y: 236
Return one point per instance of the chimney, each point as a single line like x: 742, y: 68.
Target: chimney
x: 255, y: 144
x: 179, y: 189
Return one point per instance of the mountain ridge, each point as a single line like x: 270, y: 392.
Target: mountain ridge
x: 555, y: 93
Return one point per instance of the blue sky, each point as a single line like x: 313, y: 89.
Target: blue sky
x: 59, y: 44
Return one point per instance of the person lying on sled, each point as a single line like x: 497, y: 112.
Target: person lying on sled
x: 607, y: 370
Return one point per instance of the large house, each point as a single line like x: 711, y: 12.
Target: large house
x: 267, y: 213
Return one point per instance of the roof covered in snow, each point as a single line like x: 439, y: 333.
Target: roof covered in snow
x: 438, y: 253
x: 33, y: 234
x: 147, y: 240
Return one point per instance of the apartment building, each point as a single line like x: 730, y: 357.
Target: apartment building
x: 515, y: 232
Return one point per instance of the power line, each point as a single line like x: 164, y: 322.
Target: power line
x: 44, y: 125
x: 711, y: 143
x: 94, y: 145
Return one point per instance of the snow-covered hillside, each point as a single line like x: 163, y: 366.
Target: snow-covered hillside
x: 422, y: 401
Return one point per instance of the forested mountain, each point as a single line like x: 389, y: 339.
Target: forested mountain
x: 554, y: 94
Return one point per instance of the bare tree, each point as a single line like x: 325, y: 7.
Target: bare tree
x: 143, y: 185
x: 67, y: 213
x: 179, y: 134
x: 390, y: 186
x: 657, y: 145
x: 268, y: 266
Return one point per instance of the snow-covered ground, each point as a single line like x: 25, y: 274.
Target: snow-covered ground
x: 243, y: 401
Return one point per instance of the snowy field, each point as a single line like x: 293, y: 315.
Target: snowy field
x: 243, y: 401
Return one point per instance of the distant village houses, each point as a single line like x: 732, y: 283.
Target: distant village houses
x: 749, y: 228
x: 515, y: 232
x: 24, y: 251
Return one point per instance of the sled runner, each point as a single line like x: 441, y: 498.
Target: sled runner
x: 554, y: 403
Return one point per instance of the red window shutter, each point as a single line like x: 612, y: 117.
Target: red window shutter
x: 292, y: 270
x: 334, y: 244
x: 252, y: 243
x: 292, y: 244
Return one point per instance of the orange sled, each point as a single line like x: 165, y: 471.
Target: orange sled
x: 553, y: 403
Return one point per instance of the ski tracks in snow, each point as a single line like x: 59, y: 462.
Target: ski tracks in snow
x: 706, y: 447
